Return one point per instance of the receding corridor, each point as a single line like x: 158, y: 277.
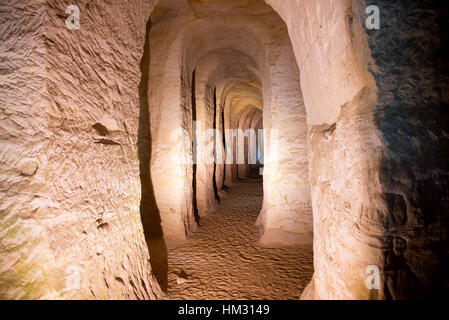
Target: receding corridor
x: 223, y: 260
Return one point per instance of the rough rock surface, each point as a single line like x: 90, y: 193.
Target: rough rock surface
x: 70, y: 219
x: 412, y: 76
x: 374, y: 153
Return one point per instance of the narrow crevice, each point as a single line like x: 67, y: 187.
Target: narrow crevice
x: 224, y: 145
x: 217, y: 196
x: 194, y: 151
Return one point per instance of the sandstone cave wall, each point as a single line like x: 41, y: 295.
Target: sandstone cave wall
x: 205, y: 191
x: 72, y: 224
x: 170, y: 105
x: 77, y: 120
x: 23, y: 127
x: 375, y: 145
x: 412, y: 76
x: 287, y: 197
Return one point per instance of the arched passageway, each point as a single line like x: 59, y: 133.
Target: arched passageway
x: 223, y: 86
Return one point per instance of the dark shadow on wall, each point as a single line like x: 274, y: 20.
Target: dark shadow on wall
x: 149, y: 211
x: 194, y: 151
x: 217, y: 197
x: 410, y: 50
x: 223, y: 126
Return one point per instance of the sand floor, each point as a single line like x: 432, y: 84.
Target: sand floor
x: 222, y: 258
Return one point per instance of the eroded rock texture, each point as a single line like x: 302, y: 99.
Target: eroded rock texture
x: 71, y: 224
x: 376, y: 144
x: 412, y: 78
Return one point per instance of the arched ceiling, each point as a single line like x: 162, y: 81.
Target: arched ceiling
x: 225, y: 42
x: 235, y: 76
